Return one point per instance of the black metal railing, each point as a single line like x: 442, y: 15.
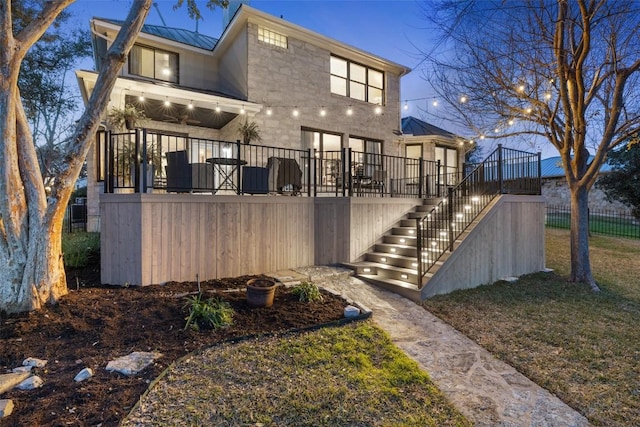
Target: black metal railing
x: 503, y: 171
x: 601, y: 221
x: 140, y: 160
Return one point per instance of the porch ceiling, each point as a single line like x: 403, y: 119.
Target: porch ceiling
x: 210, y: 109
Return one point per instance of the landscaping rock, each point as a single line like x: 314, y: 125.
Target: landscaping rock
x: 36, y: 363
x: 31, y: 383
x: 351, y: 311
x: 133, y: 363
x: 6, y: 407
x: 83, y: 375
x: 22, y: 369
x: 9, y: 381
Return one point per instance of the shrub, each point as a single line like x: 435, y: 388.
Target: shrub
x: 79, y: 249
x: 307, y: 292
x: 212, y: 313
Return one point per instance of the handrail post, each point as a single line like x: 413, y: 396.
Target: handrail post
x: 136, y: 162
x: 500, y: 183
x: 539, y: 180
x: 238, y: 168
x: 311, y: 174
x: 419, y: 251
x: 420, y: 177
x: 143, y: 162
x: 109, y: 156
x: 450, y: 209
x: 349, y: 180
x: 438, y: 187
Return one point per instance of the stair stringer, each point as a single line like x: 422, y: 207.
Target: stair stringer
x: 505, y: 240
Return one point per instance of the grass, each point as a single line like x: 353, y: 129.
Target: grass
x: 581, y: 346
x: 78, y: 248
x: 343, y: 376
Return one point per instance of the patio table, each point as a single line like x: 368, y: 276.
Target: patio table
x: 225, y: 167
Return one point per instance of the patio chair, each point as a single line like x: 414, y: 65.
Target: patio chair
x: 185, y: 177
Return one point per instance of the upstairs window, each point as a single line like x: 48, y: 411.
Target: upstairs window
x: 272, y: 38
x: 153, y: 63
x: 356, y: 81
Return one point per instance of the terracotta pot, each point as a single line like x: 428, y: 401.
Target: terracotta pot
x: 260, y: 292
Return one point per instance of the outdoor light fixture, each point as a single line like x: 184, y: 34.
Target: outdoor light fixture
x: 521, y: 88
x: 383, y: 259
x: 349, y: 111
x: 463, y: 99
x: 467, y: 207
x: 217, y: 108
x: 402, y: 240
x: 511, y: 122
x: 367, y: 270
x: 242, y: 111
x: 414, y: 264
x: 529, y: 110
x: 141, y: 98
x: 190, y: 106
x: 378, y: 110
x: 547, y: 96
x: 475, y: 199
x: 167, y: 103
x: 295, y: 113
x: 323, y: 112
x: 410, y: 231
x: 481, y: 136
x: 393, y: 250
x: 435, y: 103
x: 406, y: 105
x: 404, y: 276
x: 269, y: 111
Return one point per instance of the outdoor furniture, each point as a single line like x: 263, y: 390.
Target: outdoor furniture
x: 183, y: 177
x: 255, y: 180
x: 225, y: 168
x: 285, y: 175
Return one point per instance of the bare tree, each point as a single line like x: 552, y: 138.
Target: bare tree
x: 565, y: 71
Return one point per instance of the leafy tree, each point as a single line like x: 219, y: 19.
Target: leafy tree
x: 31, y: 268
x: 565, y: 71
x: 623, y: 182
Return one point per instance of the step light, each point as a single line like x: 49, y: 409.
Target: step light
x: 414, y: 264
x: 404, y: 276
x: 459, y: 215
x: 410, y: 231
x: 467, y: 207
x: 393, y: 250
x: 367, y: 270
x: 383, y: 259
x: 475, y: 199
x: 402, y: 240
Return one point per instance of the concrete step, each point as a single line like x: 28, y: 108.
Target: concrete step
x: 392, y: 259
x: 399, y: 240
x: 405, y: 289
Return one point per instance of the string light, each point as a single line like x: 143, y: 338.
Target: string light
x: 296, y: 113
x: 242, y: 111
x: 463, y: 99
x: 217, y: 107
x: 349, y: 111
x: 167, y: 103
x: 323, y: 112
x: 406, y: 105
x: 378, y: 110
x: 190, y: 106
x: 269, y: 111
x: 141, y: 98
x: 435, y: 103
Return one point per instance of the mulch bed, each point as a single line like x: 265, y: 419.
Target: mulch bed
x: 94, y: 324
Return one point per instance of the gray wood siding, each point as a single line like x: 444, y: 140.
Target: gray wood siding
x: 506, y: 240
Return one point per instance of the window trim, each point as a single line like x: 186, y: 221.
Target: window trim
x: 155, y: 50
x: 348, y: 80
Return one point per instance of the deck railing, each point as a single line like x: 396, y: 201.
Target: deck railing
x: 140, y: 160
x: 503, y: 171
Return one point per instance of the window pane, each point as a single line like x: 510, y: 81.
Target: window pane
x: 339, y: 85
x: 413, y: 151
x: 356, y: 144
x: 375, y: 79
x: 338, y: 67
x: 358, y: 73
x: 452, y: 159
x: 356, y: 91
x: 331, y: 142
x: 166, y: 66
x: 375, y: 96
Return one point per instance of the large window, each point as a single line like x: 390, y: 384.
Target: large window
x: 448, y: 158
x: 271, y: 37
x: 366, y: 156
x: 356, y: 81
x: 153, y: 63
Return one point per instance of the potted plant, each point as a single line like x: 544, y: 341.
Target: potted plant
x: 126, y: 118
x: 260, y: 291
x: 249, y: 131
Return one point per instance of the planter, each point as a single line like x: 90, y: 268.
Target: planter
x: 260, y: 292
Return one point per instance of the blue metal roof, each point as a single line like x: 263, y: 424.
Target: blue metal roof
x: 552, y: 167
x: 179, y: 35
x: 413, y: 126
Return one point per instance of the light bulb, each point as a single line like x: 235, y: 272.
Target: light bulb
x: 349, y: 111
x: 463, y: 99
x: 378, y: 110
x: 190, y: 106
x: 269, y: 111
x: 167, y: 103
x: 323, y: 112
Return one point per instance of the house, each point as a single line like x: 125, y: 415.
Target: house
x: 556, y: 190
x: 185, y: 197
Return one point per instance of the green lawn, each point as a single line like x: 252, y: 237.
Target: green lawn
x: 581, y: 346
x: 342, y: 376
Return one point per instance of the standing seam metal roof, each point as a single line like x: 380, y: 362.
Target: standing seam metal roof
x: 552, y: 167
x: 179, y: 35
x: 413, y: 126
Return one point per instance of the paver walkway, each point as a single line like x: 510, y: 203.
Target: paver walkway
x: 487, y: 391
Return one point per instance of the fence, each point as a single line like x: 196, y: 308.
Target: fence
x: 139, y: 160
x: 75, y: 218
x: 604, y: 222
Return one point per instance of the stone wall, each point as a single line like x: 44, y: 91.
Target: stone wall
x: 299, y: 76
x: 556, y: 192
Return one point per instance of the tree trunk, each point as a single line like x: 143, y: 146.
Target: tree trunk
x: 580, y: 262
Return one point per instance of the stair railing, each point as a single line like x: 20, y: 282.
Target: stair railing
x: 504, y: 171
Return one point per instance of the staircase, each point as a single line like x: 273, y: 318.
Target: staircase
x: 436, y: 228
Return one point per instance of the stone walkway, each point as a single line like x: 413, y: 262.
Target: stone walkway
x: 487, y: 391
